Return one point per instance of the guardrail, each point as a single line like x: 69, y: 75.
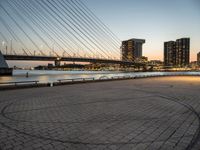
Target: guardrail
x: 84, y: 80
x: 19, y: 83
x: 22, y: 84
x: 164, y: 75
x: 104, y: 78
x: 76, y: 79
x: 28, y: 84
x: 117, y: 77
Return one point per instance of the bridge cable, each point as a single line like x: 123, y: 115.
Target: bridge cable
x: 85, y: 23
x: 93, y: 23
x: 81, y: 27
x: 98, y: 20
x: 65, y: 18
x: 14, y: 36
x: 63, y: 24
x: 76, y: 26
x: 21, y: 29
x: 3, y: 36
x: 51, y: 22
x: 39, y: 26
x: 22, y: 18
x: 9, y: 29
x: 89, y: 15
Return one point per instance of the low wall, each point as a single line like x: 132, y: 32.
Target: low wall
x: 23, y: 86
x: 60, y: 82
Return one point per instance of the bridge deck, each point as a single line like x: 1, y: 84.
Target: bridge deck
x: 76, y: 59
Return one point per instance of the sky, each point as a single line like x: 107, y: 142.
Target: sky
x: 154, y: 20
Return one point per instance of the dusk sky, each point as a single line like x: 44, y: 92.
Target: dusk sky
x: 154, y: 20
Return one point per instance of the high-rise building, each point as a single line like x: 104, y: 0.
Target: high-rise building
x: 132, y: 49
x: 198, y: 59
x: 183, y: 52
x: 177, y: 53
x: 169, y: 53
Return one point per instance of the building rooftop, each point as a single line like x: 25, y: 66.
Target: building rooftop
x: 137, y: 40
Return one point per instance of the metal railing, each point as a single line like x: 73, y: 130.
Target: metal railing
x: 104, y: 78
x: 76, y: 79
x: 117, y: 77
x: 19, y: 83
x: 163, y: 75
x: 85, y: 80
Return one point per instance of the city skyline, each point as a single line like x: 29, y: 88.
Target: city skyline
x: 99, y: 74
x: 156, y: 22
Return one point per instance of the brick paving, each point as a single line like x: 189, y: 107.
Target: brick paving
x: 142, y: 114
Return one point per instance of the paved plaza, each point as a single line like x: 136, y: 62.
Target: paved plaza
x: 140, y: 114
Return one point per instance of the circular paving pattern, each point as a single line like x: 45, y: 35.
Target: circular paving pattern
x: 139, y: 120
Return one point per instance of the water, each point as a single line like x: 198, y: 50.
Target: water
x: 53, y: 76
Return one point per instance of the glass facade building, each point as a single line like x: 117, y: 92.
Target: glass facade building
x: 132, y: 49
x: 177, y: 53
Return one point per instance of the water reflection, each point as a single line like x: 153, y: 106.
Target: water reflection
x: 53, y: 76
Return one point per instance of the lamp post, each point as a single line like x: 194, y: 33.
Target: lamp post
x: 11, y: 46
x: 3, y: 43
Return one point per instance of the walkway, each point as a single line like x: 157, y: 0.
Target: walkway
x: 142, y: 114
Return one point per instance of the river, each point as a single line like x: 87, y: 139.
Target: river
x: 44, y: 76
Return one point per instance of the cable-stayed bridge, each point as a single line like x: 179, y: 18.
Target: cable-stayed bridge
x: 48, y: 30
x: 70, y: 59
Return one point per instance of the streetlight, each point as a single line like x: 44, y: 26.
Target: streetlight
x: 3, y: 43
x: 11, y: 46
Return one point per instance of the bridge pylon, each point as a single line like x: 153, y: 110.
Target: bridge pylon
x: 4, y: 69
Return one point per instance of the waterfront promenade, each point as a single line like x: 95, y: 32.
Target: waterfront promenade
x: 138, y: 114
